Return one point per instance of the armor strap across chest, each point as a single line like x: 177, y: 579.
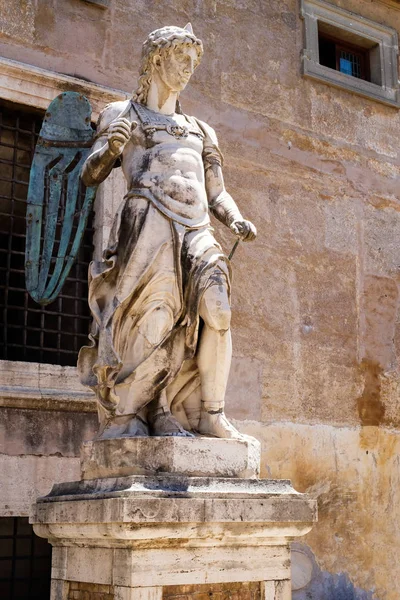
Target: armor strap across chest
x: 152, y: 121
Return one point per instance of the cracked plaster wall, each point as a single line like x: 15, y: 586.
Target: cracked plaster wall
x: 316, y: 319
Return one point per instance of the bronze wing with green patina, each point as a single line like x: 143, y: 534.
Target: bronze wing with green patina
x: 56, y: 221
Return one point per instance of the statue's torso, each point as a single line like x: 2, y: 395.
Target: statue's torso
x: 164, y: 161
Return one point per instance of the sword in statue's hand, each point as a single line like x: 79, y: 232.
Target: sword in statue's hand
x: 232, y: 252
x: 239, y: 228
x: 245, y: 231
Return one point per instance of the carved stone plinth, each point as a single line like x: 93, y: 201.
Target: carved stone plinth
x: 133, y: 535
x: 192, y: 457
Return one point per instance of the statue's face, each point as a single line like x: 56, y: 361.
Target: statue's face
x: 177, y: 67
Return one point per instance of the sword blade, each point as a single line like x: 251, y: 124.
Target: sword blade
x: 235, y: 245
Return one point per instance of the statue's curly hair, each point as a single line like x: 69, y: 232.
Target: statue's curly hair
x: 160, y: 42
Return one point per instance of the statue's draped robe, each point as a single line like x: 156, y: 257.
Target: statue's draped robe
x: 144, y: 297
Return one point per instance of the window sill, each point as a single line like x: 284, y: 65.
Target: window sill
x: 313, y: 70
x: 99, y: 3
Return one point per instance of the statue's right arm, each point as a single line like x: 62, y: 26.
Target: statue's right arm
x: 114, y: 134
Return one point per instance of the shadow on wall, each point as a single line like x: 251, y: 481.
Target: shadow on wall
x: 310, y: 583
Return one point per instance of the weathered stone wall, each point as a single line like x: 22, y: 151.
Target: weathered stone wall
x: 222, y: 591
x: 38, y: 448
x: 90, y: 591
x: 44, y: 415
x: 316, y: 319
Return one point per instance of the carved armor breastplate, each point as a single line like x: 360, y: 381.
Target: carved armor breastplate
x: 152, y: 121
x: 164, y: 180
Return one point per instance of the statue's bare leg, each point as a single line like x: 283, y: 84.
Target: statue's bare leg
x: 214, y: 361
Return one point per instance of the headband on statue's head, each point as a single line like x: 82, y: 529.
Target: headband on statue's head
x: 167, y: 36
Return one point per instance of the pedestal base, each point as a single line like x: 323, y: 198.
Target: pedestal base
x: 133, y: 536
x: 192, y: 457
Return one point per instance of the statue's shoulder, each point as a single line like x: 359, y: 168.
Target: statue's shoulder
x: 211, y: 152
x: 112, y: 111
x: 208, y: 131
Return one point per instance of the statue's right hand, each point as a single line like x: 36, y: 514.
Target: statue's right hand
x: 119, y: 133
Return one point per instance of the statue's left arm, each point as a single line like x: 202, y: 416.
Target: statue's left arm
x: 221, y: 203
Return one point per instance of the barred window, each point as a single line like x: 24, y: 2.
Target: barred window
x: 25, y: 561
x: 347, y: 58
x: 350, y: 52
x: 54, y: 333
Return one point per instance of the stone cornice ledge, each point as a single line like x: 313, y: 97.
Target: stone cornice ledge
x: 34, y: 86
x: 43, y: 387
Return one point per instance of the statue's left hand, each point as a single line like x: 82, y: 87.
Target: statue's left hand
x: 245, y: 230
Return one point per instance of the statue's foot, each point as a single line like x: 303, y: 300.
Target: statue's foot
x: 164, y: 424
x: 217, y: 425
x: 135, y: 427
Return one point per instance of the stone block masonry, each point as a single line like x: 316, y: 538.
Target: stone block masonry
x: 74, y: 590
x: 221, y: 591
x: 89, y: 591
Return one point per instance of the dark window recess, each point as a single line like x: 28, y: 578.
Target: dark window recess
x: 28, y: 332
x: 344, y: 58
x: 349, y: 54
x: 25, y: 561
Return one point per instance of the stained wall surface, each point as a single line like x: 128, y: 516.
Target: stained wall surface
x: 316, y: 298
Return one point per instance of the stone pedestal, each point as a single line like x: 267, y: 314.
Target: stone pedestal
x: 129, y: 537
x: 194, y: 457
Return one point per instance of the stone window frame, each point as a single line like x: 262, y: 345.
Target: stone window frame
x: 99, y: 3
x: 33, y: 385
x: 314, y: 11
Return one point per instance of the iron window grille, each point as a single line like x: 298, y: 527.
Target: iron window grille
x: 25, y: 561
x: 52, y: 334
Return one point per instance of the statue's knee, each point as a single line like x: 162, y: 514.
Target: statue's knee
x: 215, y: 309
